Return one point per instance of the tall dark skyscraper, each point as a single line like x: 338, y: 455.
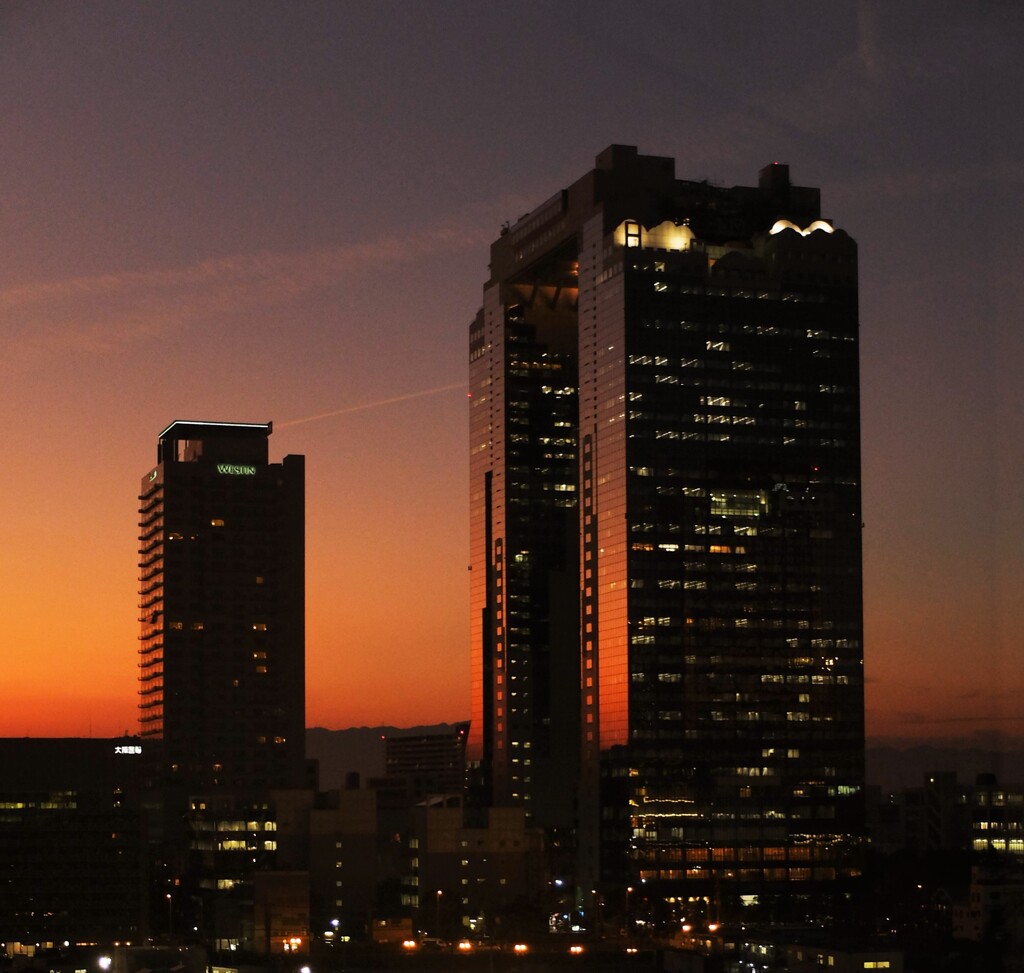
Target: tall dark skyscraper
x: 665, y: 530
x: 222, y: 607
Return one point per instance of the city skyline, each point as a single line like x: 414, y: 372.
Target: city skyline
x: 249, y: 217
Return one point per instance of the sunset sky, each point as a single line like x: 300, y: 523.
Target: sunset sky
x: 258, y: 211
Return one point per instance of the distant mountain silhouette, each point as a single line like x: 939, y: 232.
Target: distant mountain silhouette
x: 361, y: 750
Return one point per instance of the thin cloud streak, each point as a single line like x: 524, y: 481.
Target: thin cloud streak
x: 293, y: 272
x: 919, y: 719
x: 362, y: 407
x: 96, y: 314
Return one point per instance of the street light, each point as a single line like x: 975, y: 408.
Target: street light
x: 170, y: 915
x: 437, y: 903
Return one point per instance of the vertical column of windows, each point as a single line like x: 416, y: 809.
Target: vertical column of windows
x: 589, y: 620
x: 151, y: 609
x: 501, y: 749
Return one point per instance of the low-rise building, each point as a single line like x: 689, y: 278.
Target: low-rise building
x: 465, y: 868
x: 72, y: 840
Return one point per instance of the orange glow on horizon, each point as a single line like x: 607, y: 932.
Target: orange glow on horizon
x: 77, y: 676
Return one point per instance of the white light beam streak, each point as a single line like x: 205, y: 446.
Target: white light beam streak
x: 373, y: 405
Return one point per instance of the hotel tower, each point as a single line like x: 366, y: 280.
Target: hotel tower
x: 221, y: 598
x: 666, y: 531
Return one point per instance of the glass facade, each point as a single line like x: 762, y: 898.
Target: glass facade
x: 727, y: 583
x: 524, y: 563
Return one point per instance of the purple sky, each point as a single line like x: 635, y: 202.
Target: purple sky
x: 252, y: 211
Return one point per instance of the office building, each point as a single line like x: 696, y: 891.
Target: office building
x: 524, y: 726
x: 427, y: 763
x: 473, y: 873
x: 665, y: 531
x: 73, y: 834
x: 221, y: 597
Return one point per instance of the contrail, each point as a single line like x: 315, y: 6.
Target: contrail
x: 373, y: 405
